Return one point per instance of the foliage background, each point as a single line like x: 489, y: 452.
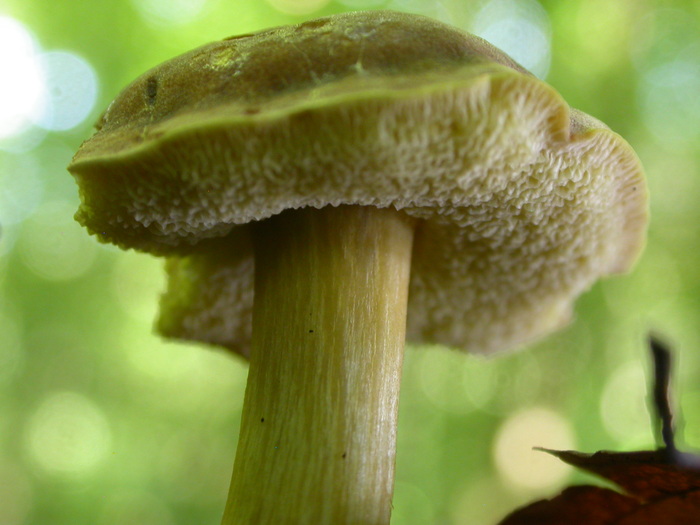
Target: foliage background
x: 103, y: 423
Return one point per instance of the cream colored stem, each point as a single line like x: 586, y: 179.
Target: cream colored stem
x: 318, y: 430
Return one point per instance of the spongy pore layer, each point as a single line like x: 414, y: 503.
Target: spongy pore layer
x: 521, y: 203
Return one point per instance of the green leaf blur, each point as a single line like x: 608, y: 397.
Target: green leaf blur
x: 103, y: 423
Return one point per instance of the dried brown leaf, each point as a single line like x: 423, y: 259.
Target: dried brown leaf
x: 646, y: 475
x: 584, y: 505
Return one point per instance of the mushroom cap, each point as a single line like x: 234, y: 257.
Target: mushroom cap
x: 521, y: 202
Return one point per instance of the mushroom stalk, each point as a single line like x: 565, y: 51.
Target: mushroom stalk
x: 318, y: 430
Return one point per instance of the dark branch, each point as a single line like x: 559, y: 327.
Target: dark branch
x: 662, y: 377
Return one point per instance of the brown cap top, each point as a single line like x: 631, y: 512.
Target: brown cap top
x: 522, y: 203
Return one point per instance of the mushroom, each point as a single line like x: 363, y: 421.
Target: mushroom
x: 324, y: 191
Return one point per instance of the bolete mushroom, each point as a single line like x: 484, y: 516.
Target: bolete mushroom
x: 321, y: 187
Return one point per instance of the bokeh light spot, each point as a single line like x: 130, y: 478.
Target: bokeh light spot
x: 16, y: 494
x: 23, y: 140
x: 130, y: 508
x: 68, y: 435
x: 362, y: 4
x: 195, y: 466
x: 54, y: 246
x: 660, y: 35
x: 496, y: 386
x: 297, y: 7
x: 521, y: 29
x: 441, y: 379
x: 137, y: 282
x: 22, y: 87
x: 479, y: 381
x: 601, y: 29
x: 21, y: 187
x: 169, y: 12
x: 623, y: 297
x: 623, y: 406
x: 189, y: 377
x: 666, y: 51
x: 482, y: 500
x: 460, y: 384
x: 517, y: 463
x: 159, y: 368
x: 70, y: 90
x: 412, y: 505
x: 436, y: 10
x: 11, y: 352
x: 669, y: 99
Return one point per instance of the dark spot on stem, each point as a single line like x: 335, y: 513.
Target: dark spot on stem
x: 345, y: 454
x: 311, y: 331
x: 262, y: 419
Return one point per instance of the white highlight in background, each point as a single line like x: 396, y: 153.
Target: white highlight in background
x: 68, y: 435
x: 515, y: 458
x: 70, y: 90
x: 668, y: 95
x: 22, y: 89
x: 169, y: 12
x: 521, y: 29
x: 54, y: 90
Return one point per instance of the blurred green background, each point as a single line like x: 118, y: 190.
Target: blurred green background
x: 103, y: 423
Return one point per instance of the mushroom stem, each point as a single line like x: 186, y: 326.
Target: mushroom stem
x: 318, y: 430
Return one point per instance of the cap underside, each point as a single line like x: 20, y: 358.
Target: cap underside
x: 517, y: 216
